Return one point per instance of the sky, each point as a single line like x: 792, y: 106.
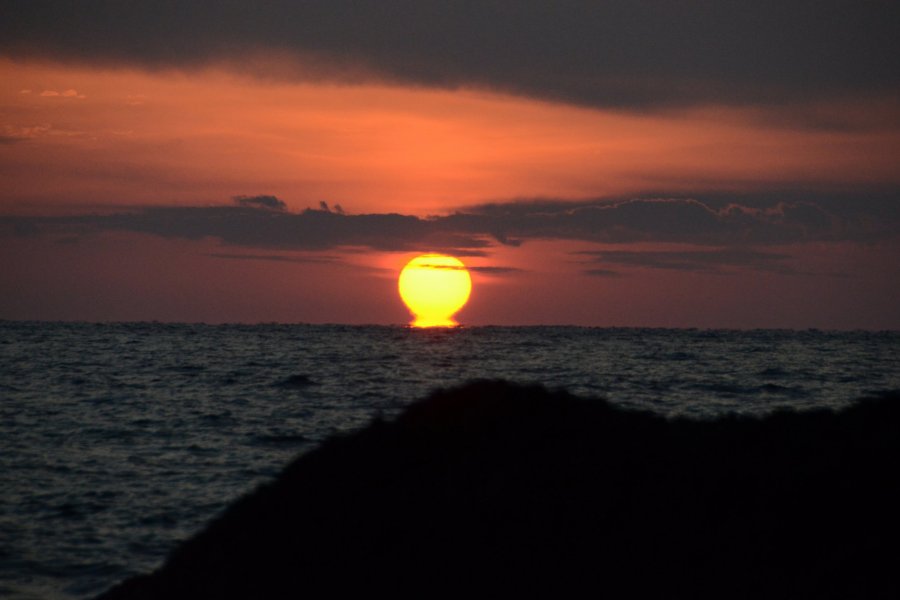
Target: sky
x: 620, y: 163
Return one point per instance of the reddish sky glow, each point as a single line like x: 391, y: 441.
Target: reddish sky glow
x: 137, y: 187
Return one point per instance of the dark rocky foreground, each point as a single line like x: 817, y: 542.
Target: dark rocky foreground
x: 497, y: 488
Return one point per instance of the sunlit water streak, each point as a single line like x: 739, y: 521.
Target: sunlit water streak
x: 117, y: 441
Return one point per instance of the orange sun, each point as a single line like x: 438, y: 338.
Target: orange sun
x: 434, y: 287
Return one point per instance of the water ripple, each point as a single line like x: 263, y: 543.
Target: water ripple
x: 117, y: 441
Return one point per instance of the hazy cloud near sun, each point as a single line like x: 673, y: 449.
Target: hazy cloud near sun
x: 710, y: 261
x: 636, y: 53
x: 734, y: 232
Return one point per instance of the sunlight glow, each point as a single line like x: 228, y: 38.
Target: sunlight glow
x: 434, y: 287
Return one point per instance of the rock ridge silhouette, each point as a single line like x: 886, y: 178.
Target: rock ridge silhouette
x: 495, y: 487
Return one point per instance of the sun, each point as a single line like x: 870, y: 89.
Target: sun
x: 434, y: 287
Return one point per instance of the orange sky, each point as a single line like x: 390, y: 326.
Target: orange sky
x: 120, y: 137
x: 78, y: 140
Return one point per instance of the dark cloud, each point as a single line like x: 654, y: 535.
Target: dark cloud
x: 715, y: 261
x: 264, y: 228
x: 274, y: 257
x: 492, y: 270
x: 496, y: 270
x: 270, y: 202
x: 602, y: 273
x: 336, y: 208
x: 258, y: 222
x: 611, y: 53
x: 23, y: 227
x: 255, y: 224
x: 684, y: 220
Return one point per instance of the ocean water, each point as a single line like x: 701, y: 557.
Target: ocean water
x: 117, y: 441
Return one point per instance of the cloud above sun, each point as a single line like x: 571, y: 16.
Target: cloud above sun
x: 618, y: 53
x: 263, y: 223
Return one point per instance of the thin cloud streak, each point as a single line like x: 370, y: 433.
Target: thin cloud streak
x: 602, y: 273
x: 494, y: 270
x: 708, y: 261
x: 275, y: 257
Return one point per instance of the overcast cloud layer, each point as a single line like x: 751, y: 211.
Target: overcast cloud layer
x: 637, y: 53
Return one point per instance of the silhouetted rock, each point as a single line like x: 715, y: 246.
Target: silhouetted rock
x: 495, y: 488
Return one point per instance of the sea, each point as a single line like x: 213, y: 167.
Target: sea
x: 119, y: 440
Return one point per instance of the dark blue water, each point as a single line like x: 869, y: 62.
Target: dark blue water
x: 119, y: 440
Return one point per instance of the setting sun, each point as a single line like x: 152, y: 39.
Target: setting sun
x: 434, y: 287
